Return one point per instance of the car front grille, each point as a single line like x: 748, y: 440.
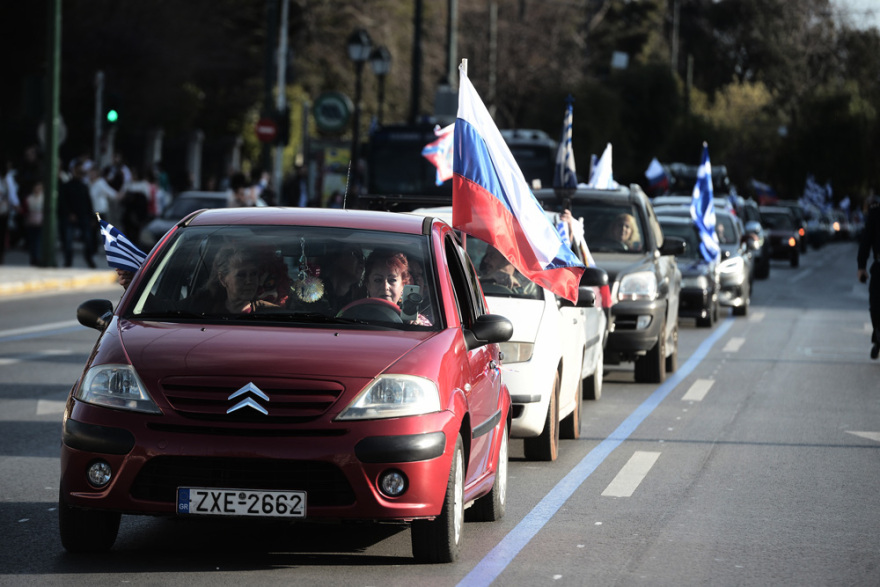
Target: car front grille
x: 324, y: 483
x: 291, y: 401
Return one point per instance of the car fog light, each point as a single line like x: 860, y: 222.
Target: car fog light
x: 392, y: 483
x: 99, y: 473
x: 642, y: 322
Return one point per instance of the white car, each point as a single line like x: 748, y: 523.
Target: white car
x: 554, y: 360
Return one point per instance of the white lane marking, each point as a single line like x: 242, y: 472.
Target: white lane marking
x: 47, y: 406
x: 632, y: 474
x: 38, y: 328
x: 733, y: 344
x: 698, y: 390
x: 34, y: 356
x: 875, y: 436
x: 756, y: 316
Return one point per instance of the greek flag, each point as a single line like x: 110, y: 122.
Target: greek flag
x: 565, y: 176
x: 121, y: 252
x: 703, y: 209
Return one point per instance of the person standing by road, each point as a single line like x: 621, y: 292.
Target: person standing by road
x: 871, y: 242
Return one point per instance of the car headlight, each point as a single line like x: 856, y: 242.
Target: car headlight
x: 699, y: 282
x: 641, y: 285
x: 394, y: 396
x: 116, y: 386
x: 517, y: 352
x: 732, y: 265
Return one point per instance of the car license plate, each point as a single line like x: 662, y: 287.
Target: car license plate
x: 240, y: 502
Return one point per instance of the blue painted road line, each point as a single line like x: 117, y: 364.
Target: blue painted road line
x: 494, y: 563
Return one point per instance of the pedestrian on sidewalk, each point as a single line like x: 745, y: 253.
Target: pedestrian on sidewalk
x: 75, y: 212
x: 33, y: 222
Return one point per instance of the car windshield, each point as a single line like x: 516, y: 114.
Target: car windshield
x: 497, y: 275
x: 725, y: 230
x: 290, y: 275
x: 777, y: 221
x: 610, y: 227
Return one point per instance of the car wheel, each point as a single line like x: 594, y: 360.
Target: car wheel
x: 795, y: 259
x: 491, y: 507
x: 651, y: 368
x: 592, y: 385
x: 87, y: 530
x: 439, y: 540
x: 762, y: 270
x: 570, y: 427
x: 672, y: 358
x: 545, y: 447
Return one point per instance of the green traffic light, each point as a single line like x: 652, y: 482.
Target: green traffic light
x: 112, y: 116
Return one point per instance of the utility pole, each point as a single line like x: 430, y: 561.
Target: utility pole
x: 416, y: 88
x: 99, y: 113
x: 675, y: 15
x: 281, y: 98
x: 269, y: 75
x: 52, y: 123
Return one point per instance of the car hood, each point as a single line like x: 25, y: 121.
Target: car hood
x: 524, y: 314
x: 221, y: 350
x: 616, y: 264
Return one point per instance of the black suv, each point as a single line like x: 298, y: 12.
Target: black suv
x: 644, y: 277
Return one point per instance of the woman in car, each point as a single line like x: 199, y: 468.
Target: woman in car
x: 623, y: 232
x: 234, y: 286
x: 387, y: 271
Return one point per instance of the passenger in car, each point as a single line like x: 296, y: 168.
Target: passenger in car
x: 343, y: 275
x: 623, y: 230
x: 233, y: 284
x: 496, y: 270
x: 387, y: 272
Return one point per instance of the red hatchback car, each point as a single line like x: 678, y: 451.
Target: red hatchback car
x: 300, y: 364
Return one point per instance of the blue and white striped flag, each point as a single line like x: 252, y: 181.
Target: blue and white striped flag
x: 565, y: 176
x: 121, y: 252
x: 703, y: 209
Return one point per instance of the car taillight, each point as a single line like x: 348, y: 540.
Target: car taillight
x: 802, y: 232
x: 791, y: 241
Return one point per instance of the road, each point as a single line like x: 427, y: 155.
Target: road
x: 756, y: 463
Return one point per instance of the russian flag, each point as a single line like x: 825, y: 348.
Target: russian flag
x: 491, y: 200
x: 439, y: 153
x: 656, y: 175
x: 703, y: 208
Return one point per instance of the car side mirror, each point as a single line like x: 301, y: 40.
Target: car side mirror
x: 586, y: 297
x: 594, y: 276
x: 673, y: 245
x: 95, y: 314
x: 489, y: 328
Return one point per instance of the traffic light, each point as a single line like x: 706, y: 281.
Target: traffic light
x: 112, y: 108
x: 112, y: 116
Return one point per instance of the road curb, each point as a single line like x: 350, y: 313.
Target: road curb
x: 57, y: 283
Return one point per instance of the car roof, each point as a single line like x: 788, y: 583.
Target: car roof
x: 329, y: 217
x: 201, y: 194
x: 775, y: 210
x: 628, y: 193
x: 674, y: 219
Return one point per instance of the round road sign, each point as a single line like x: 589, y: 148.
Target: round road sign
x: 267, y: 130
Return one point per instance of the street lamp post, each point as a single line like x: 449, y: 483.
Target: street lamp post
x: 381, y: 62
x: 359, y: 47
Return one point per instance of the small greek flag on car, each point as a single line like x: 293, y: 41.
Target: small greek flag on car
x: 121, y: 252
x: 703, y: 208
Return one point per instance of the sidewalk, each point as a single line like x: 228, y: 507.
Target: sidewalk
x: 18, y: 277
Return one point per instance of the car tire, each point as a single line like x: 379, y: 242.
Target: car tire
x: 439, y: 540
x: 762, y: 269
x: 545, y: 447
x: 795, y: 259
x: 570, y: 427
x: 87, y: 530
x: 492, y: 506
x: 651, y: 368
x: 672, y: 358
x: 592, y: 385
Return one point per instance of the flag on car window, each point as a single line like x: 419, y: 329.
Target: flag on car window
x: 601, y: 175
x: 491, y: 200
x: 439, y: 153
x: 121, y: 252
x: 703, y: 208
x: 565, y: 176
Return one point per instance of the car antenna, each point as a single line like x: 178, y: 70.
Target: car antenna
x: 347, y: 181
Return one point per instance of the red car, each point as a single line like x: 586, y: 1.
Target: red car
x: 242, y: 375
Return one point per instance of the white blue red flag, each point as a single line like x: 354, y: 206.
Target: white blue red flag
x: 703, y: 208
x: 565, y: 175
x: 121, y: 252
x: 491, y: 200
x: 656, y: 175
x: 439, y: 153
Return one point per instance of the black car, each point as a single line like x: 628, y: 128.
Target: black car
x: 699, y: 278
x: 800, y: 219
x: 736, y: 263
x: 782, y: 229
x: 644, y: 277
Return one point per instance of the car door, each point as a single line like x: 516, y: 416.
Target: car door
x: 484, y: 386
x: 668, y: 273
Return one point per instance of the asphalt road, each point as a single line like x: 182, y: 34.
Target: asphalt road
x: 756, y: 463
